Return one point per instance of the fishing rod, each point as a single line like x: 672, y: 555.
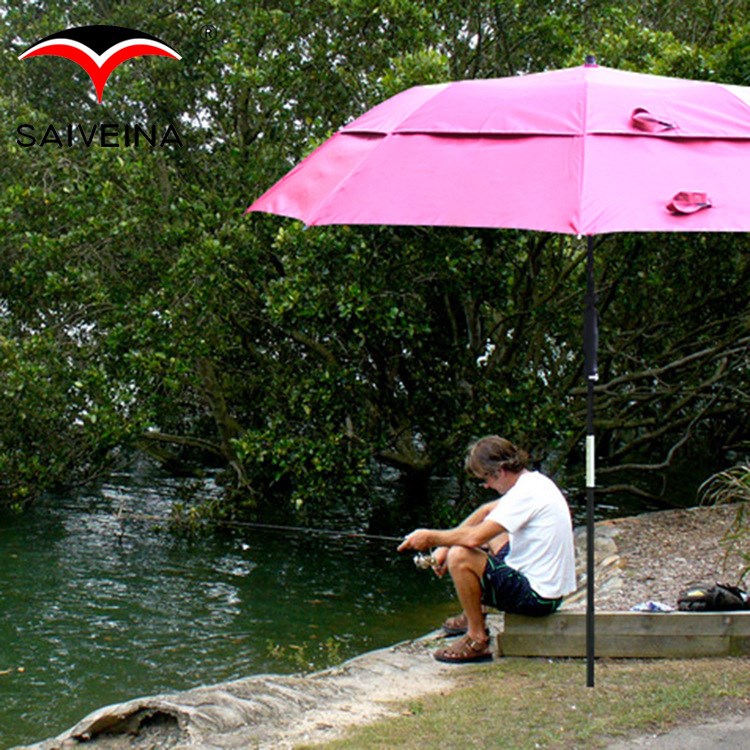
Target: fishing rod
x: 422, y: 561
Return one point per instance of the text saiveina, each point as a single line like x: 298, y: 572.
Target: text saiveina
x: 103, y: 134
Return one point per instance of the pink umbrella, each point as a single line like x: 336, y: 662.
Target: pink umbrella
x: 582, y: 151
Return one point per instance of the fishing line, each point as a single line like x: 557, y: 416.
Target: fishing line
x: 122, y: 514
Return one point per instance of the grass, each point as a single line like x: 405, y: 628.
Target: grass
x: 526, y: 704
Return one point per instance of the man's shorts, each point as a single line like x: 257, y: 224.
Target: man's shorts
x: 508, y: 590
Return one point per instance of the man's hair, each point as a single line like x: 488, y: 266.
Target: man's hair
x: 491, y: 454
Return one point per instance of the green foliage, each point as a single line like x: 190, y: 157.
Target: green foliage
x: 142, y: 310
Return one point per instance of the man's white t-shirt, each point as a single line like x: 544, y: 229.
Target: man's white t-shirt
x: 538, y: 521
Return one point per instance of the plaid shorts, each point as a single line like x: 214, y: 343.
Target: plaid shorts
x: 509, y: 590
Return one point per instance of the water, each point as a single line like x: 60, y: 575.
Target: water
x: 97, y: 610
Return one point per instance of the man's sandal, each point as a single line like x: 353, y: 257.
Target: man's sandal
x: 459, y: 624
x: 464, y: 651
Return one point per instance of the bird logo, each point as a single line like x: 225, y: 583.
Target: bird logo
x: 99, y: 49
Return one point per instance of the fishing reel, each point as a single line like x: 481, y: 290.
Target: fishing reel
x: 423, y: 562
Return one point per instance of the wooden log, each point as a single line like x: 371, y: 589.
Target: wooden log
x: 629, y: 634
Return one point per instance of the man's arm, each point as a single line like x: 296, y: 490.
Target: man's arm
x: 480, y: 513
x: 465, y: 535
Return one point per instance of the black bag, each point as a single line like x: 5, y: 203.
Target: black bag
x: 710, y: 597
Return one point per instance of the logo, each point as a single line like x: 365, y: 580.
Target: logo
x: 99, y: 49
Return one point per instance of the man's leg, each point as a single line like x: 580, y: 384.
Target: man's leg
x: 466, y: 567
x: 457, y: 625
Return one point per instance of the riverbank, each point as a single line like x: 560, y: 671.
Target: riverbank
x: 649, y: 557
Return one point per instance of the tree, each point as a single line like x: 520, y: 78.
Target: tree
x: 141, y: 309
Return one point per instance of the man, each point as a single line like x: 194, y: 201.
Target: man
x: 515, y: 553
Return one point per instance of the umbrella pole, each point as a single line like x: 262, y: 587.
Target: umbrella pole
x: 590, y: 345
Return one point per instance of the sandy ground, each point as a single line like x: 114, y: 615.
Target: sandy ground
x: 650, y: 557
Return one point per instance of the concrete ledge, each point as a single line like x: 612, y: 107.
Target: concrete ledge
x: 629, y: 634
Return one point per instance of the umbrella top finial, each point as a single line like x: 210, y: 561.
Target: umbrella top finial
x: 590, y: 61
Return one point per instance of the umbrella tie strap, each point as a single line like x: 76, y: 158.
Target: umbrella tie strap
x: 642, y: 119
x: 689, y: 203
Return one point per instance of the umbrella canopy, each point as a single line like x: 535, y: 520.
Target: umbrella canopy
x: 582, y: 151
x: 586, y: 150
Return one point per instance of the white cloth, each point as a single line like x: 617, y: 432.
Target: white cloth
x: 538, y: 521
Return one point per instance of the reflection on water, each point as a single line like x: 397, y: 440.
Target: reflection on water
x: 97, y: 610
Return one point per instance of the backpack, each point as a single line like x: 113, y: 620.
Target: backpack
x: 709, y: 597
